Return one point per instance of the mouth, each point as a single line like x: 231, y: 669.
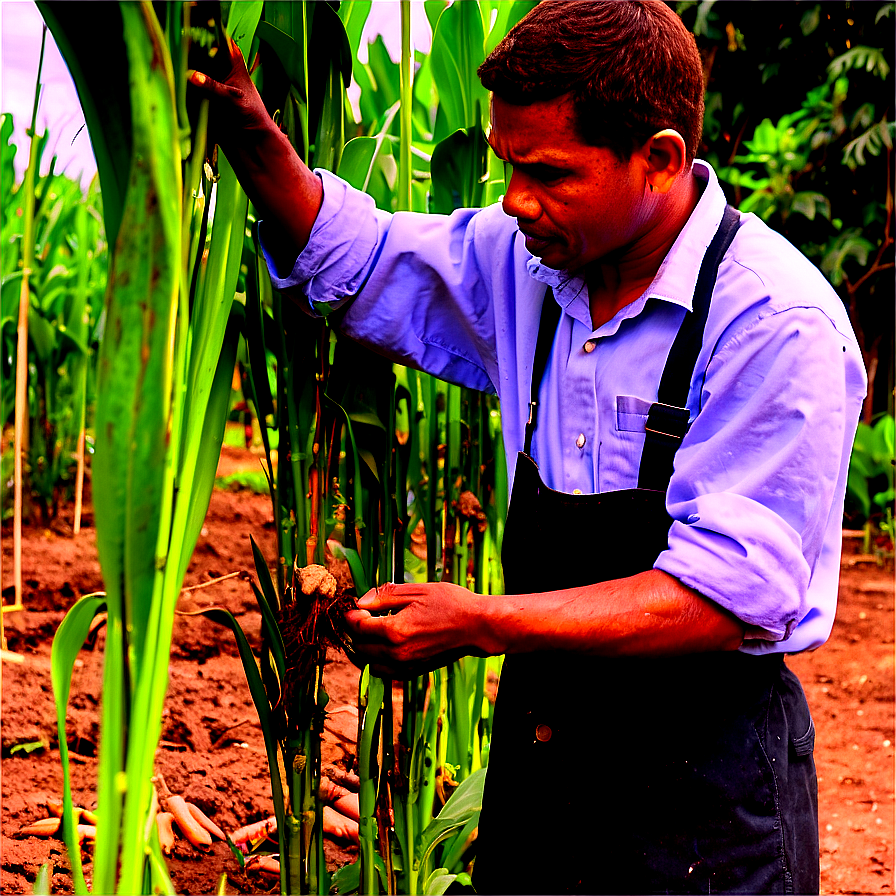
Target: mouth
x: 535, y: 244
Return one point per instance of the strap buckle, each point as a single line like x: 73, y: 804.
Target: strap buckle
x: 669, y: 417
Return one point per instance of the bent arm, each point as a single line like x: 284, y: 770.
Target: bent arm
x: 649, y: 614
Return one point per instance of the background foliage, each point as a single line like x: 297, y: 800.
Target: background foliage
x: 800, y: 127
x: 363, y: 454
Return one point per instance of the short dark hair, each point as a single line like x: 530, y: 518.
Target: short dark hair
x: 630, y: 66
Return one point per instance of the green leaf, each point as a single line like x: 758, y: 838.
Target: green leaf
x: 347, y: 879
x: 458, y: 165
x: 212, y: 437
x: 464, y: 805
x: 264, y: 578
x: 359, y: 577
x: 30, y: 747
x: 367, y: 163
x: 440, y: 880
x: 808, y: 203
x: 458, y: 48
x: 134, y: 367
x: 262, y: 704
x: 288, y: 51
x: 42, y: 882
x: 268, y: 604
x: 872, y: 141
x: 104, y: 100
x: 354, y: 15
x: 42, y: 336
x: 242, y: 22
x: 871, y: 59
x: 508, y: 14
x: 67, y: 644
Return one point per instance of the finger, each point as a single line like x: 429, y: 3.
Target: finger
x: 388, y: 597
x: 354, y: 619
x: 208, y: 85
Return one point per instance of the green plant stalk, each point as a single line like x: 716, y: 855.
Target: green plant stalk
x: 78, y: 330
x: 406, y: 89
x: 303, y: 109
x: 371, y: 703
x: 21, y: 404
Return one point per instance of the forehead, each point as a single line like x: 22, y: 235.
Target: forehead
x: 545, y: 128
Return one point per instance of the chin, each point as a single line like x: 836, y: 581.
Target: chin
x: 555, y: 260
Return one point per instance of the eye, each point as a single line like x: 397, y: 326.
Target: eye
x: 546, y: 174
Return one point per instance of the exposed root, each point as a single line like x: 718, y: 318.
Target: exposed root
x: 312, y: 619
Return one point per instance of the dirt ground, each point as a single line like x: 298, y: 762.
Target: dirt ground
x: 212, y: 750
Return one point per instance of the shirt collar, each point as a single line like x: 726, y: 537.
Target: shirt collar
x: 677, y: 277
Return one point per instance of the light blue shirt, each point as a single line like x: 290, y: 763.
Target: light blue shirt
x: 757, y: 492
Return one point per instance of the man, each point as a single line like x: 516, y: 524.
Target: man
x: 694, y: 387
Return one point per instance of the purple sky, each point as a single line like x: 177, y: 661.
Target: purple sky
x: 60, y: 111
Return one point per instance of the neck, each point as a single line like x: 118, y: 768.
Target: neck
x: 618, y: 280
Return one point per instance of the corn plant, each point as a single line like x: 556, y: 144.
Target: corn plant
x: 331, y: 412
x: 163, y: 390
x: 381, y: 449
x: 65, y: 283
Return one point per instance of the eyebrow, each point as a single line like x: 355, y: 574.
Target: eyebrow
x: 553, y: 164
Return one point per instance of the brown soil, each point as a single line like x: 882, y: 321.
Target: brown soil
x: 212, y: 750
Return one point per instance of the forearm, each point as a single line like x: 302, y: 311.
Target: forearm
x: 649, y: 614
x: 281, y: 187
x: 403, y: 630
x: 284, y: 191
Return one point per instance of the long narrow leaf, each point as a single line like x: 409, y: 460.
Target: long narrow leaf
x: 67, y: 643
x: 262, y: 707
x: 465, y: 803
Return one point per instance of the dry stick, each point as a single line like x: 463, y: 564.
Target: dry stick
x: 230, y: 575
x: 220, y: 738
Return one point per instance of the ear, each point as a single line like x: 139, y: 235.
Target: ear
x: 666, y: 156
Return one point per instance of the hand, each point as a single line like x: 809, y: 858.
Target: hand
x: 278, y: 183
x: 237, y: 107
x: 430, y: 625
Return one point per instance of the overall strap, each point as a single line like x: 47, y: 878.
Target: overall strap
x: 667, y: 420
x: 550, y: 317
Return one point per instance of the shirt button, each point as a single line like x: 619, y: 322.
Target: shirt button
x: 543, y: 733
x: 580, y: 441
x: 590, y: 346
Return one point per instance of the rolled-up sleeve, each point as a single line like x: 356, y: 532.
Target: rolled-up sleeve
x: 334, y: 264
x: 761, y: 467
x: 421, y: 287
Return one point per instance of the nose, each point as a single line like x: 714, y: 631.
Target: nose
x: 520, y: 201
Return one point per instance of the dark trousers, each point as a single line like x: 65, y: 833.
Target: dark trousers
x: 638, y: 775
x: 684, y: 776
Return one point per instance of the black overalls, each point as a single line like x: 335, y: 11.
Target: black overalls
x: 691, y: 774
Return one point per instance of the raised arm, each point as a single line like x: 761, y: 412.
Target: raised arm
x: 281, y: 187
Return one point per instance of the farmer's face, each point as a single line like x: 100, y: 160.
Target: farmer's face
x: 575, y: 203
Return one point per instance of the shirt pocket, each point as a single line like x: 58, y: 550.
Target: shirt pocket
x: 621, y: 448
x: 631, y: 413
